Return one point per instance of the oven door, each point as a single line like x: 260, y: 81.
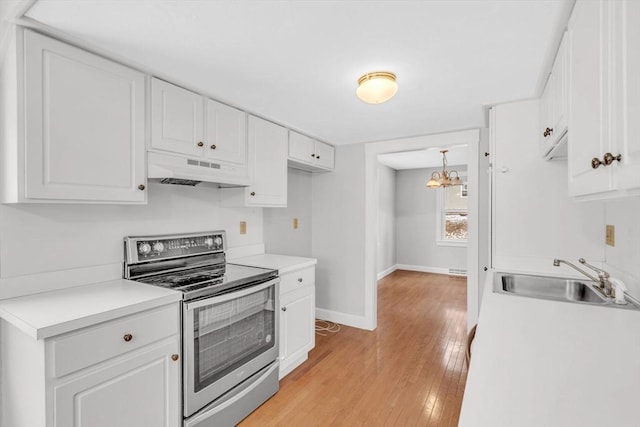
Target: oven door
x: 227, y: 338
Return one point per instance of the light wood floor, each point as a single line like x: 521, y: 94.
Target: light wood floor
x: 410, y: 371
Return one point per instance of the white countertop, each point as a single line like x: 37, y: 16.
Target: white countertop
x: 283, y: 263
x: 52, y: 313
x: 545, y: 363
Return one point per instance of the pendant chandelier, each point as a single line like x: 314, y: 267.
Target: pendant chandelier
x: 444, y: 178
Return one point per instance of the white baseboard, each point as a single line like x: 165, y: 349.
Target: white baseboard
x: 387, y: 272
x: 423, y: 268
x: 359, y: 322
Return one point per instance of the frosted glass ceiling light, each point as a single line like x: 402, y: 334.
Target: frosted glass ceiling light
x: 377, y: 87
x: 445, y: 178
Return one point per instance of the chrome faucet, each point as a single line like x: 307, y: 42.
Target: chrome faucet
x: 603, y: 282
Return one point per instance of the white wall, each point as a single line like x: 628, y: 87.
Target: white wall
x: 416, y: 226
x: 624, y: 258
x: 387, y: 202
x: 534, y: 220
x: 279, y: 235
x: 41, y: 239
x: 338, y: 238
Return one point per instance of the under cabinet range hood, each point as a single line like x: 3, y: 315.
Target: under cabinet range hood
x: 173, y: 169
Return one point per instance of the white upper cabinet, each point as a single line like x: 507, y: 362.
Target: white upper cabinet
x: 177, y: 119
x: 554, y: 106
x: 604, y: 96
x: 82, y: 136
x: 188, y: 123
x: 226, y: 133
x: 626, y: 104
x: 308, y: 154
x: 268, y: 161
x: 267, y: 152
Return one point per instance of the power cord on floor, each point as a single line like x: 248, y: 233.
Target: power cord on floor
x: 326, y: 326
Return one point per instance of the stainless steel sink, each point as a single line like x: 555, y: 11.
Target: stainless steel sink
x: 554, y: 288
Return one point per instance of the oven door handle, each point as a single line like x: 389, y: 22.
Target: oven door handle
x: 231, y: 295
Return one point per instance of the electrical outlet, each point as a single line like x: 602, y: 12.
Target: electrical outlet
x: 610, y: 235
x: 295, y: 223
x: 243, y: 227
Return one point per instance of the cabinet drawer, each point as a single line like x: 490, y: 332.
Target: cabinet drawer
x: 292, y: 281
x: 96, y: 344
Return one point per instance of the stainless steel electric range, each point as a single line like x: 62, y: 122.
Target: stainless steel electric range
x: 229, y: 322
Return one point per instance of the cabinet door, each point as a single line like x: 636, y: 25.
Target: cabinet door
x: 301, y: 147
x: 324, y: 155
x: 559, y: 92
x: 588, y: 97
x: 141, y: 390
x: 267, y: 163
x: 297, y: 326
x: 226, y: 139
x: 545, y: 115
x: 626, y: 104
x: 84, y: 125
x: 177, y: 119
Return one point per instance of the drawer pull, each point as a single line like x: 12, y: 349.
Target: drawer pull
x: 200, y: 144
x: 213, y: 146
x: 284, y: 308
x: 300, y: 279
x: 175, y: 357
x: 128, y: 337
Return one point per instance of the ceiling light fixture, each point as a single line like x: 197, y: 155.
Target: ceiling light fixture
x: 444, y: 178
x: 377, y: 87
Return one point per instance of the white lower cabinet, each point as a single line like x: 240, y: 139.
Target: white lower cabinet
x: 297, y: 318
x: 124, y: 372
x: 138, y: 390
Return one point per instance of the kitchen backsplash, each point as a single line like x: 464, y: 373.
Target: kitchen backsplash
x: 624, y: 257
x: 43, y: 238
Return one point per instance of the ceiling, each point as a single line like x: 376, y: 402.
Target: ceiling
x: 427, y: 158
x: 297, y: 62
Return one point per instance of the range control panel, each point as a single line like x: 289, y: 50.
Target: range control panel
x: 150, y: 248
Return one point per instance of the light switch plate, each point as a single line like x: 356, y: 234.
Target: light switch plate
x: 243, y: 227
x: 610, y: 235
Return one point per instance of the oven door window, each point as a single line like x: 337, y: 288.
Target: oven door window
x: 230, y: 333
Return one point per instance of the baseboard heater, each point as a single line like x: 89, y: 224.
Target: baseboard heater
x: 457, y: 271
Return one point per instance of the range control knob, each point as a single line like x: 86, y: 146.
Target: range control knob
x: 144, y: 248
x: 208, y: 242
x: 158, y: 246
x: 217, y: 241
